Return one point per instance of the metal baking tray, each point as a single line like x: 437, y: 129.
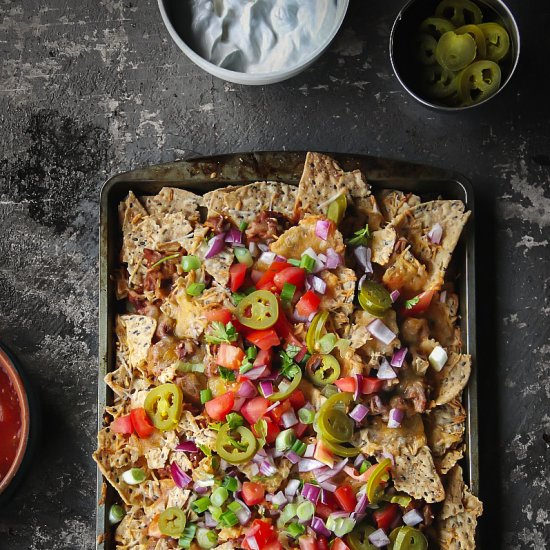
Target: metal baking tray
x: 206, y: 173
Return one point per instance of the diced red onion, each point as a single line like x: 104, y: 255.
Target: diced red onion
x: 327, y: 486
x: 359, y: 412
x: 435, y: 234
x: 234, y: 236
x: 267, y: 468
x: 398, y: 357
x: 238, y: 403
x: 293, y: 457
x: 255, y: 275
x: 254, y: 470
x: 328, y: 473
x: 252, y: 542
x: 379, y: 538
x: 260, y: 456
x: 301, y: 354
x: 253, y: 248
x: 289, y: 418
x: 209, y: 521
x: 200, y: 490
x: 215, y: 246
x: 266, y: 388
x: 284, y: 385
x: 358, y: 386
x: 247, y: 389
x: 263, y: 247
x: 443, y: 296
x: 412, y: 517
x: 396, y: 417
x: 311, y: 492
x: 385, y: 372
x: 188, y: 447
x: 279, y: 499
x: 381, y: 332
x: 181, y: 479
x: 292, y: 487
x: 395, y: 295
x: 267, y: 257
x: 316, y: 283
x: 298, y: 318
x: 280, y: 258
x: 362, y: 503
x: 322, y: 258
x: 318, y: 525
x: 274, y: 406
x: 359, y: 460
x: 333, y: 259
x: 309, y: 464
x: 310, y: 450
x: 258, y: 372
x: 319, y: 265
x: 322, y: 229
x: 363, y: 255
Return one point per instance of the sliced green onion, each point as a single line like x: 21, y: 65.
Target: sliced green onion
x: 165, y: 259
x: 243, y: 226
x: 252, y: 352
x: 402, y: 500
x: 289, y: 511
x: 305, y: 511
x: 189, y: 263
x: 327, y: 343
x: 307, y: 262
x: 292, y: 261
x: 288, y: 292
x: 134, y: 476
x: 200, y: 505
x: 207, y: 538
x: 196, y: 289
x: 219, y: 496
x: 206, y: 395
x: 340, y: 526
x: 237, y: 297
x: 328, y: 390
x: 234, y: 506
x: 229, y: 519
x: 246, y: 367
x: 306, y: 416
x: 231, y: 484
x: 182, y: 366
x: 364, y: 467
x: 296, y: 529
x: 285, y: 440
x: 116, y: 513
x: 299, y: 447
x: 243, y: 256
x: 188, y: 535
x: 216, y: 512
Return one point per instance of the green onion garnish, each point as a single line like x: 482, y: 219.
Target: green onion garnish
x: 207, y: 538
x: 234, y: 506
x: 292, y: 261
x: 305, y: 511
x: 189, y: 367
x: 296, y: 529
x: 298, y: 447
x: 165, y: 259
x: 288, y: 292
x: 206, y: 395
x: 252, y: 352
x: 200, y: 505
x: 364, y: 467
x: 285, y: 440
x: 246, y: 367
x: 229, y: 519
x: 243, y: 226
x: 189, y: 263
x: 134, y: 476
x: 219, y: 496
x: 196, y: 289
x: 243, y: 256
x: 231, y: 484
x: 306, y: 416
x: 116, y: 513
x: 307, y: 262
x: 216, y: 512
x: 188, y: 535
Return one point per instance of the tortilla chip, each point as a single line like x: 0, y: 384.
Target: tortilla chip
x: 340, y: 290
x: 449, y: 459
x: 416, y: 475
x: 171, y: 200
x: 195, y: 429
x: 454, y: 491
x: 445, y: 426
x: 382, y: 245
x: 442, y: 317
x: 406, y: 274
x: 132, y: 530
x: 452, y: 378
x: 393, y: 202
x: 409, y: 438
x: 187, y: 312
x: 362, y: 339
x: 243, y: 204
x: 296, y: 240
x: 415, y: 224
x: 130, y: 210
x: 140, y: 330
x: 219, y: 265
x: 320, y: 184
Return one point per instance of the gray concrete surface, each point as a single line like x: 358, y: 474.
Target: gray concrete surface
x: 89, y: 89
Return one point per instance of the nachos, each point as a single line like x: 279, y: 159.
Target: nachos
x: 288, y: 370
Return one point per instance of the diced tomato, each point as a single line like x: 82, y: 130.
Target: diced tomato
x: 253, y: 493
x: 346, y: 498
x: 422, y: 305
x: 278, y: 412
x: 220, y: 406
x: 264, y: 358
x: 254, y: 409
x: 308, y: 304
x: 283, y: 326
x: 302, y: 353
x: 221, y: 315
x: 142, y: 423
x: 122, y: 425
x: 386, y: 516
x: 370, y: 384
x: 230, y: 357
x: 264, y: 339
x: 269, y: 275
x: 237, y: 275
x: 307, y: 542
x: 299, y: 429
x: 292, y: 275
x: 339, y: 544
x: 272, y: 431
x: 297, y: 399
x: 322, y: 543
x: 323, y: 510
x: 272, y: 544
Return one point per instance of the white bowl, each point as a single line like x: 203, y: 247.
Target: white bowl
x: 248, y: 78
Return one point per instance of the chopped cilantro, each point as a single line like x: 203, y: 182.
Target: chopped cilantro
x: 409, y: 304
x: 226, y: 374
x: 234, y: 420
x: 289, y: 368
x: 361, y: 237
x: 221, y: 333
x: 292, y: 350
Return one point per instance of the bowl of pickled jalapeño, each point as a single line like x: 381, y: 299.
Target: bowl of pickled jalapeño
x: 454, y: 54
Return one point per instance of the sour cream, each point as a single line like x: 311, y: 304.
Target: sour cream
x: 260, y: 36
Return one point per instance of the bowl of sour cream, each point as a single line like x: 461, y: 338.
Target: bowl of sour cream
x: 253, y: 41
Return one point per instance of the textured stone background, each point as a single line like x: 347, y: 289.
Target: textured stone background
x: 89, y: 89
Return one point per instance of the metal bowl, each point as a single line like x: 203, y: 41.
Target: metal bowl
x: 175, y: 16
x: 406, y: 25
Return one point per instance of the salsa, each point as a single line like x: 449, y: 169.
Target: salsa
x: 10, y: 423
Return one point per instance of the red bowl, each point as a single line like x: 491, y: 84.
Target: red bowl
x: 7, y: 365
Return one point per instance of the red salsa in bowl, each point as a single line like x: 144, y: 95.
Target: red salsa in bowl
x: 10, y: 424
